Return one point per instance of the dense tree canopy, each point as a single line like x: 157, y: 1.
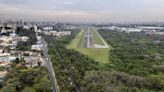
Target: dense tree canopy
x: 134, y: 64
x: 20, y: 77
x: 29, y: 33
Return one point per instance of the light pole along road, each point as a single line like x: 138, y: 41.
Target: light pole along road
x: 48, y: 65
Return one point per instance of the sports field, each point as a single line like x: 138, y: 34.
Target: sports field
x: 89, y: 42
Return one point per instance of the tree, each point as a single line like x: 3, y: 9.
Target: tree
x: 9, y: 88
x: 17, y: 60
x: 12, y: 85
x: 43, y: 85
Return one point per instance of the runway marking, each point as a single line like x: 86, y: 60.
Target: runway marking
x: 88, y: 41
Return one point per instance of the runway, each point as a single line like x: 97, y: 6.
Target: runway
x: 88, y: 39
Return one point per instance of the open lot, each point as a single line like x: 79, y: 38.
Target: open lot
x: 85, y: 43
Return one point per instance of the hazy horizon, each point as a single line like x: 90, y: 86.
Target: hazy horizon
x: 83, y: 10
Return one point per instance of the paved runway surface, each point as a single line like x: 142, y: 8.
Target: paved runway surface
x: 88, y: 40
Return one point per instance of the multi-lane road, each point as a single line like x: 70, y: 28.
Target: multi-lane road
x: 48, y: 65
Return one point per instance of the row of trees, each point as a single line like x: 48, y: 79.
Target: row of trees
x: 113, y: 81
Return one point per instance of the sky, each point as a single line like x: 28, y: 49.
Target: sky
x: 83, y: 10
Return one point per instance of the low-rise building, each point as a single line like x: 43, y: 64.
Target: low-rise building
x: 48, y: 28
x: 5, y: 64
x: 27, y: 26
x: 3, y: 74
x: 37, y: 48
x: 155, y: 33
x: 4, y: 54
x: 1, y: 51
x: 58, y: 34
x: 64, y: 33
x: 32, y: 61
x: 5, y: 39
x: 24, y: 38
x: 7, y: 59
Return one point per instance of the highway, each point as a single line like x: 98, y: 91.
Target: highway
x: 48, y: 65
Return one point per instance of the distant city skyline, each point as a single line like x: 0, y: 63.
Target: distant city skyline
x: 83, y: 10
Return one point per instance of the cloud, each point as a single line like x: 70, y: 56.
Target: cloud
x: 83, y: 10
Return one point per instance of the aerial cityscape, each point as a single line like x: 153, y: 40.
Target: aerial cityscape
x: 81, y: 46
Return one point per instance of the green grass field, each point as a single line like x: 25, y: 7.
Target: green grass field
x: 98, y: 54
x: 96, y: 38
x: 77, y: 42
x: 28, y: 89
